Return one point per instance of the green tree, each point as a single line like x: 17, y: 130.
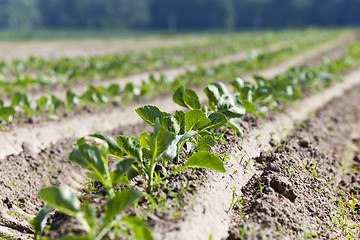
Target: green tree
x: 19, y: 14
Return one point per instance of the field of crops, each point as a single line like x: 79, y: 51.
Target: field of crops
x: 217, y: 136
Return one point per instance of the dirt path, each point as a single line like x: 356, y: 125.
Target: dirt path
x: 51, y: 50
x: 52, y: 141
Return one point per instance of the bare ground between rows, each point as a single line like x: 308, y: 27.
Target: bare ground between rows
x: 54, y: 167
x: 51, y: 50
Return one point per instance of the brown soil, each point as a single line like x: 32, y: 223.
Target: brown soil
x: 72, y: 48
x: 306, y: 179
x: 323, y: 138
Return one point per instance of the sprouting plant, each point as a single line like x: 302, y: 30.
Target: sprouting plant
x: 160, y: 146
x: 68, y: 203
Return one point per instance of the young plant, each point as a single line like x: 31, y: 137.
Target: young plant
x: 92, y: 152
x: 159, y: 146
x: 68, y: 203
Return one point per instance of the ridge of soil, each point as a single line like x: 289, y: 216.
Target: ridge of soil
x: 54, y: 155
x: 73, y: 48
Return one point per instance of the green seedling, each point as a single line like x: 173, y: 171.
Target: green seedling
x: 68, y: 203
x: 92, y: 153
x: 161, y: 146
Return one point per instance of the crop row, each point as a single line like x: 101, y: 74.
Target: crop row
x: 181, y: 140
x: 112, y: 66
x: 52, y: 106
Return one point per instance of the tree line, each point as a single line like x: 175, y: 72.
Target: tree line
x: 177, y: 14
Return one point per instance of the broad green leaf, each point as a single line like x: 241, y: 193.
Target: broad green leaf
x: 89, y: 157
x: 149, y: 114
x: 140, y: 230
x: 262, y: 93
x: 131, y: 146
x: 38, y: 223
x: 171, y: 124
x: 113, y: 90
x: 261, y: 81
x: 195, y: 119
x: 122, y: 169
x: 237, y: 84
x: 220, y: 87
x: 180, y: 118
x: 93, y: 176
x: 160, y: 139
x: 205, y: 143
x: 205, y: 160
x: 60, y: 199
x: 231, y: 106
x: 6, y: 113
x: 71, y: 98
x: 120, y: 202
x: 15, y: 99
x: 186, y: 98
x: 114, y: 149
x: 213, y: 95
x: 41, y: 103
x: 249, y: 106
x: 187, y: 135
x: 217, y: 120
x: 145, y: 140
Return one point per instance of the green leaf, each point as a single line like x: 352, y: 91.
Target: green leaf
x: 234, y: 125
x: 89, y: 157
x: 160, y: 139
x: 89, y: 215
x: 205, y: 160
x: 205, y: 143
x: 195, y: 119
x: 60, y: 199
x: 231, y: 106
x: 213, y: 95
x: 120, y: 202
x: 180, y: 118
x: 6, y: 113
x: 149, y: 114
x: 171, y: 124
x: 131, y: 146
x: 186, y: 98
x: 15, y: 99
x: 114, y: 149
x: 38, y: 223
x: 93, y: 176
x: 217, y: 120
x: 140, y: 230
x: 249, y: 106
x: 41, y: 103
x: 145, y: 140
x: 122, y: 168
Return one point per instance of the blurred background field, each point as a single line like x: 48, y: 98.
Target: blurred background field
x: 58, y: 19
